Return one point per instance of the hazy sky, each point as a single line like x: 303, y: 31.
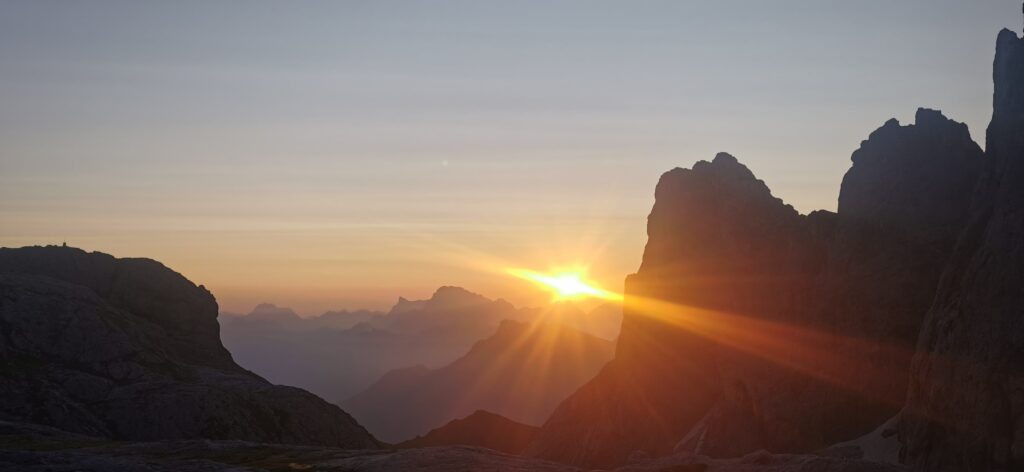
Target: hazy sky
x: 340, y: 154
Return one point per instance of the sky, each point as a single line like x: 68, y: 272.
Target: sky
x: 327, y: 155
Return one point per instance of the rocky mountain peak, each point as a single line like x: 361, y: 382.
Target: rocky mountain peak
x: 964, y: 404
x: 271, y: 311
x: 915, y: 178
x: 404, y: 305
x: 144, y: 287
x: 697, y: 213
x: 129, y: 349
x: 719, y: 240
x: 723, y: 170
x: 456, y: 297
x: 1008, y: 94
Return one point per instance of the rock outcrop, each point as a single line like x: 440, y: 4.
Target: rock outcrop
x: 522, y: 371
x: 129, y: 349
x: 965, y: 408
x: 480, y: 429
x: 717, y: 240
x: 852, y: 332
x: 774, y: 330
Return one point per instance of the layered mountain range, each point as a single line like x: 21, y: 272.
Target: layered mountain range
x: 522, y: 371
x: 341, y: 353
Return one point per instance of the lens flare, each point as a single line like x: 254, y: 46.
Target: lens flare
x: 565, y: 285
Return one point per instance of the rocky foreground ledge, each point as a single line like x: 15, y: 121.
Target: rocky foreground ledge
x: 39, y: 448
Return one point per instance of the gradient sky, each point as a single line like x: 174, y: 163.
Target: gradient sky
x: 324, y: 155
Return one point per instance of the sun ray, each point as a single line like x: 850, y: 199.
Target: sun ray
x: 565, y: 285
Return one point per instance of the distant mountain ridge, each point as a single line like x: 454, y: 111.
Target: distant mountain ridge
x: 335, y: 359
x: 287, y: 318
x: 521, y: 372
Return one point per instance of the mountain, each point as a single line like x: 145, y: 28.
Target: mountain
x: 754, y: 338
x: 271, y: 316
x: 603, y: 320
x: 129, y: 349
x: 714, y: 230
x: 338, y: 363
x: 481, y: 429
x: 750, y: 326
x: 520, y: 372
x: 448, y: 306
x: 966, y: 399
x: 335, y: 359
x: 345, y: 319
x: 775, y: 330
x: 272, y: 313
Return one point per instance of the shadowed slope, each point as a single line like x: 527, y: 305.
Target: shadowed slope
x: 521, y: 372
x: 966, y: 401
x: 481, y: 429
x: 751, y: 326
x: 126, y: 348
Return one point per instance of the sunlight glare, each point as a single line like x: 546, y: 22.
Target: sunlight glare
x: 565, y: 285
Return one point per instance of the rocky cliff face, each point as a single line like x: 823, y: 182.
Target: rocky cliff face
x: 718, y: 240
x: 776, y: 322
x: 965, y: 408
x: 127, y: 348
x: 902, y: 205
x: 143, y: 287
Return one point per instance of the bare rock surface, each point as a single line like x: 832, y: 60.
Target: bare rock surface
x: 783, y: 331
x: 128, y: 349
x: 708, y: 224
x: 965, y: 408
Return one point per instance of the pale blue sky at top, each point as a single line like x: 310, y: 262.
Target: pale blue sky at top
x: 331, y: 154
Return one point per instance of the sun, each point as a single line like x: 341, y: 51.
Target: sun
x: 565, y: 285
x: 568, y: 285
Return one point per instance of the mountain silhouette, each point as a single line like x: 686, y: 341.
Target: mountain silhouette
x: 719, y: 242
x: 792, y: 332
x: 481, y: 428
x: 886, y: 336
x: 129, y: 349
x: 520, y: 372
x: 335, y: 359
x: 965, y: 402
